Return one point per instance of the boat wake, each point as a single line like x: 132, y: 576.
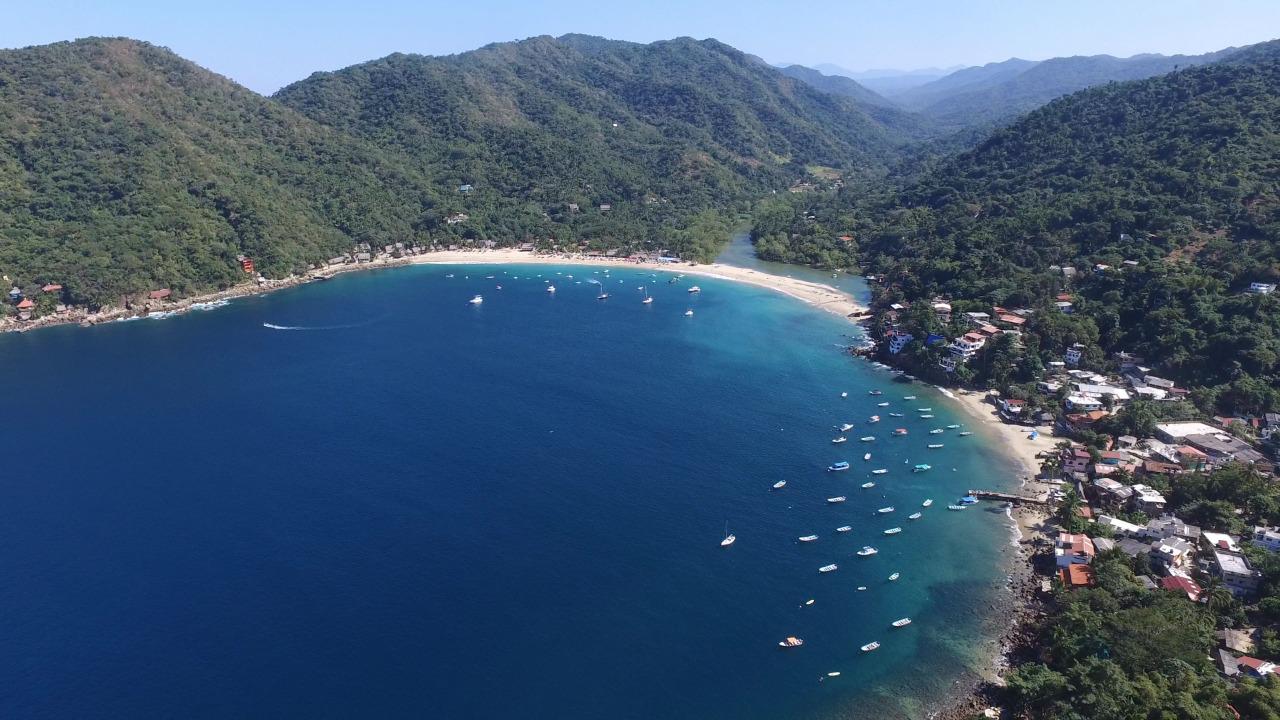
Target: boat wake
x: 272, y: 326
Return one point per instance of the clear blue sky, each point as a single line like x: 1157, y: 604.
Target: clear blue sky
x: 265, y: 44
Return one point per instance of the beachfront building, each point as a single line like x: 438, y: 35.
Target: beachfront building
x: 967, y: 345
x: 1076, y: 460
x: 1076, y: 576
x: 1073, y: 549
x: 1235, y: 572
x: 1083, y: 404
x: 898, y: 341
x: 1267, y: 538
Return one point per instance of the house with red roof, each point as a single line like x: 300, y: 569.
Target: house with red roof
x: 1073, y: 549
x: 1185, y: 585
x: 159, y: 294
x: 1254, y: 666
x: 1076, y: 576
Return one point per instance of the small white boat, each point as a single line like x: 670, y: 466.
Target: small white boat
x: 935, y: 446
x: 926, y: 416
x: 827, y: 568
x: 879, y: 471
x: 900, y: 431
x: 928, y: 409
x: 837, y: 499
x: 807, y: 538
x: 449, y: 275
x: 936, y: 431
x: 895, y: 414
x: 834, y: 674
x: 837, y: 441
x: 902, y: 623
x: 867, y: 456
x: 846, y: 427
x: 551, y: 289
x: 966, y: 433
x: 688, y: 313
x: 862, y: 588
x: 953, y: 427
x: 893, y: 531
x: 873, y: 419
x: 915, y: 516
x: 870, y: 646
x: 808, y: 602
x: 844, y: 394
x: 780, y: 484
x: 867, y: 438
x: 695, y: 289
x: 729, y: 538
x: 874, y: 392
x: 476, y: 300
x: 790, y: 642
x: 844, y: 528
x: 885, y: 510
x: 868, y: 485
x: 867, y: 551
x: 927, y: 502
x: 647, y: 301
x: 894, y: 576
x: 955, y: 507
x: 883, y: 404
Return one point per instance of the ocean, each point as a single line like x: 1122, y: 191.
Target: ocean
x: 368, y: 497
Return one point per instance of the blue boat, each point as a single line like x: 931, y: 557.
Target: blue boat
x: 842, y: 465
x: 968, y: 500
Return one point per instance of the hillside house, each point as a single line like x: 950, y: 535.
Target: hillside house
x: 1073, y: 549
x: 1259, y: 288
x: 1267, y: 538
x: 1235, y: 572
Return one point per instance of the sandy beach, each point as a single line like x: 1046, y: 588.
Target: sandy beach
x: 821, y: 296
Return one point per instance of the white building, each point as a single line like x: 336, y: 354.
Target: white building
x: 1077, y: 403
x: 1262, y: 288
x: 1073, y: 354
x: 1265, y: 537
x: 1235, y: 572
x: 899, y: 341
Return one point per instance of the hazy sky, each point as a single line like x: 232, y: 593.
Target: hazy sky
x: 268, y: 43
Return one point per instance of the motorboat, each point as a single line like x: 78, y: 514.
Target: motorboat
x: 879, y: 471
x: 936, y: 431
x: 780, y: 484
x: 867, y: 438
x: 808, y: 538
x: 895, y: 414
x: 791, y: 642
x: 695, y: 289
x: 883, y: 404
x: 894, y: 576
x: 862, y: 588
x: 688, y: 313
x: 885, y: 510
x: 893, y: 531
x: 874, y: 392
x: 867, y: 551
x: 909, y: 397
x: 927, y: 503
x: 915, y: 515
x: 827, y: 568
x: 844, y: 528
x: 935, y: 446
x: 921, y: 468
x: 837, y: 467
x: 837, y: 441
x: 870, y: 646
x: 955, y: 507
x: 928, y: 409
x: 866, y: 456
x: 900, y: 431
x: 901, y: 623
x: 836, y: 499
x: 868, y: 485
x: 844, y: 394
x: 846, y: 427
x: 476, y: 300
x: 551, y: 289
x: 874, y: 419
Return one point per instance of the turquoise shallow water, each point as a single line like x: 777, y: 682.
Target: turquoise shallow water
x: 410, y: 506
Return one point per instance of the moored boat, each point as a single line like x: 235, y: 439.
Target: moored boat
x: 879, y: 471
x: 866, y: 456
x: 807, y: 538
x: 873, y: 419
x: 870, y: 646
x: 827, y: 568
x: 893, y: 531
x: 695, y: 289
x: 867, y: 551
x: 837, y: 467
x: 926, y: 416
x: 902, y: 622
x: 837, y: 499
x: 844, y: 528
x: 780, y: 484
x: 927, y: 502
x: 900, y: 431
x: 883, y: 404
x: 935, y: 446
x: 921, y: 468
x: 953, y: 427
x: 966, y: 433
x: 868, y: 485
x: 867, y: 438
x: 837, y: 441
x: 955, y: 507
x: 846, y: 427
x: 908, y: 397
x: 915, y: 515
x: 894, y: 576
x: 790, y: 642
x: 885, y: 510
x: 936, y: 431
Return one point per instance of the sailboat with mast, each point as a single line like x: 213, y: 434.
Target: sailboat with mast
x: 729, y: 538
x: 648, y: 299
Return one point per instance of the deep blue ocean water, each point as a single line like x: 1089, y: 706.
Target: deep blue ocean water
x: 415, y: 507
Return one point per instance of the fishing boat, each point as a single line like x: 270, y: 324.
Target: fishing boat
x: 827, y: 568
x: 695, y: 289
x: 808, y: 538
x: 866, y: 456
x: 688, y: 313
x: 846, y: 427
x: 953, y: 427
x: 867, y: 551
x: 868, y: 485
x: 837, y: 441
x: 729, y: 538
x: 893, y: 531
x: 870, y: 646
x: 879, y: 471
x: 915, y: 516
x: 874, y: 419
x: 894, y: 576
x: 836, y: 499
x: 790, y: 642
x: 921, y: 468
x: 901, y: 623
x: 935, y: 446
x: 927, y: 503
x: 837, y: 467
x: 955, y: 507
x: 883, y: 404
x: 867, y: 438
x: 966, y: 433
x: 885, y: 510
x: 900, y: 431
x: 476, y: 300
x: 874, y: 392
x: 780, y: 484
x: 844, y: 528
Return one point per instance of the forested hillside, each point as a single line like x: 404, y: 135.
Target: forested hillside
x: 1162, y: 194
x: 125, y: 168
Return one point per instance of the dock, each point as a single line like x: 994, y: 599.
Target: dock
x: 1008, y: 497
